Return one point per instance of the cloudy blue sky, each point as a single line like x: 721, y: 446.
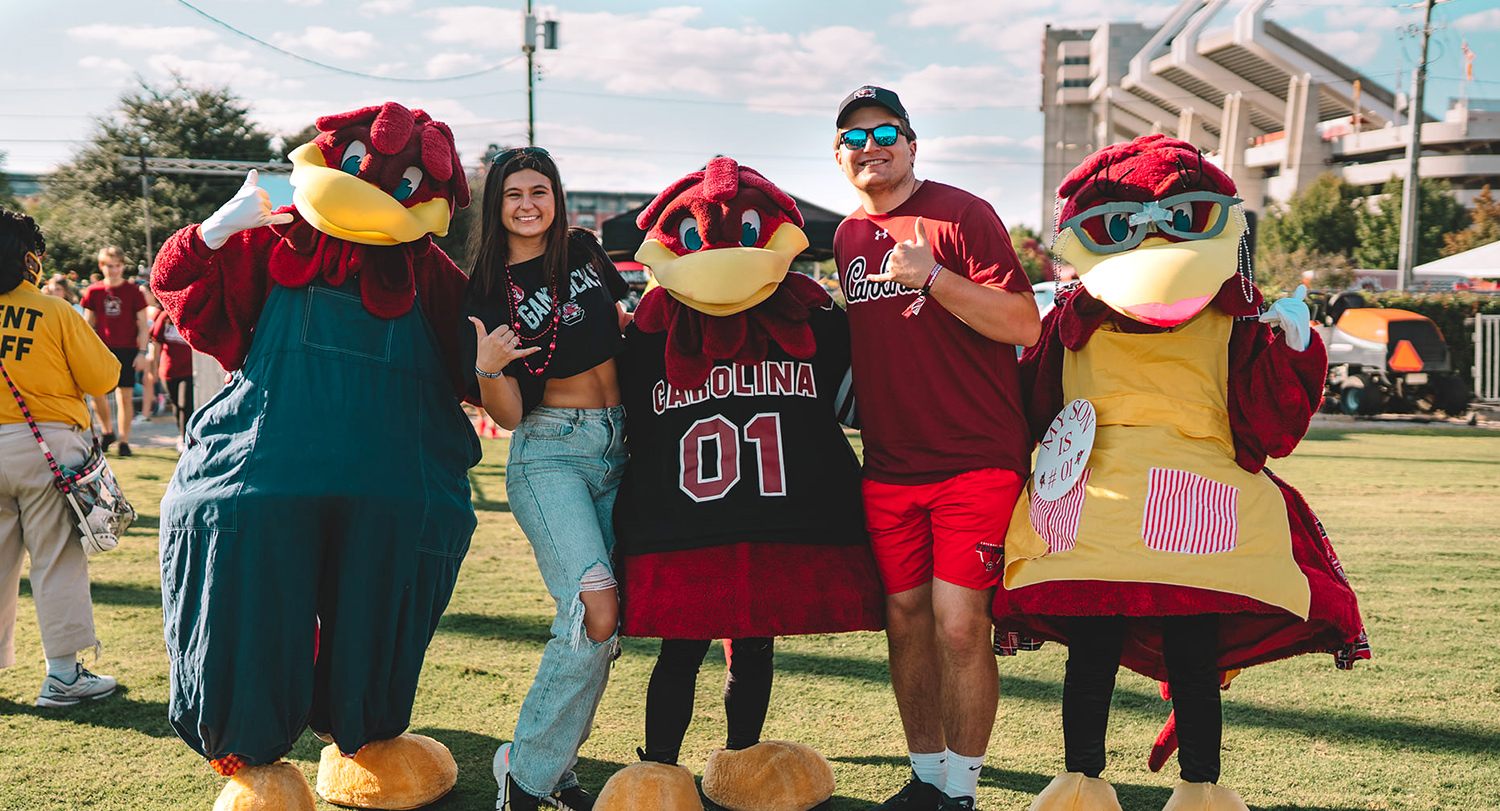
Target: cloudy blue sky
x: 641, y: 93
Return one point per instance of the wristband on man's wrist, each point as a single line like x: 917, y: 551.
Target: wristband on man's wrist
x: 916, y: 306
x: 931, y: 277
x: 488, y: 375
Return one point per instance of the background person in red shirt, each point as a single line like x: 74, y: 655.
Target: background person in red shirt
x: 937, y: 304
x: 116, y: 310
x: 171, y: 356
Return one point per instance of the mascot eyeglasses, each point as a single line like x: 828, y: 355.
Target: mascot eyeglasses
x: 1120, y: 226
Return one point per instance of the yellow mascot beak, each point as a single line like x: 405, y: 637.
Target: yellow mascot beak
x: 1159, y: 282
x: 341, y: 205
x: 724, y: 281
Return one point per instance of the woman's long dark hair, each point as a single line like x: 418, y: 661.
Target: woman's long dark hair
x: 19, y: 235
x: 491, y: 248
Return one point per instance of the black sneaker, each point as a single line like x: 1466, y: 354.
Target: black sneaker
x: 570, y: 799
x: 105, y: 441
x: 125, y: 449
x: 956, y: 803
x: 916, y: 796
x: 514, y: 798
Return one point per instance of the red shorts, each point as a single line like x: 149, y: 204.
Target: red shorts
x: 953, y: 530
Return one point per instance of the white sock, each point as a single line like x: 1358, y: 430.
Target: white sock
x: 929, y: 767
x: 963, y: 775
x: 63, y: 667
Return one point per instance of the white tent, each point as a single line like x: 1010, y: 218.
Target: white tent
x: 1482, y: 262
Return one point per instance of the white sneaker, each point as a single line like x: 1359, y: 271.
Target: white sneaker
x: 85, y: 686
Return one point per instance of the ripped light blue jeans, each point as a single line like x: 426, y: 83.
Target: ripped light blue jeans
x: 564, y: 468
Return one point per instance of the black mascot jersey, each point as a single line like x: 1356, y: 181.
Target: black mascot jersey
x: 754, y: 455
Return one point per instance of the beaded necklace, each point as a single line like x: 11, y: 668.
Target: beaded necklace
x: 514, y: 298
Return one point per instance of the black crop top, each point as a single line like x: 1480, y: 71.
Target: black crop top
x: 588, y: 326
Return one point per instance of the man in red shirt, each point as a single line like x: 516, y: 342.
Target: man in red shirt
x: 116, y: 310
x: 937, y: 304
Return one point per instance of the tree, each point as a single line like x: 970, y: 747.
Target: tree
x: 93, y: 201
x: 1484, y: 230
x: 1320, y: 218
x: 7, y: 198
x: 1282, y: 272
x: 1378, y: 225
x: 1032, y: 253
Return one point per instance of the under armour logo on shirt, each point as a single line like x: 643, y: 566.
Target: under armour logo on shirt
x: 882, y: 234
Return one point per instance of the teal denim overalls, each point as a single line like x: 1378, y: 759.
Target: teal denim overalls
x: 312, y: 533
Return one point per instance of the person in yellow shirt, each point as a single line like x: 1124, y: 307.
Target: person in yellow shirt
x: 51, y: 359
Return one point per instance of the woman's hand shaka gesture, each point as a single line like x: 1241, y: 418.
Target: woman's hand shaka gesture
x: 495, y: 350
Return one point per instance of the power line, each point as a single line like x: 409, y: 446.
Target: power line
x: 226, y: 26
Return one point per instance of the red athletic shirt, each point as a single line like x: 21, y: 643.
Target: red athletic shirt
x: 114, y: 312
x: 176, y: 355
x: 935, y: 398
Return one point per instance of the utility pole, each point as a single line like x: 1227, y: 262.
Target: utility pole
x: 528, y: 47
x: 1406, y: 256
x: 146, y: 203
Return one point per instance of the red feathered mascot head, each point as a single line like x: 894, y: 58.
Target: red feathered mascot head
x: 719, y: 243
x: 721, y: 240
x: 379, y: 176
x: 1155, y: 231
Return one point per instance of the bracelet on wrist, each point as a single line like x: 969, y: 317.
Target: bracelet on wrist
x: 488, y: 375
x: 916, y: 305
x: 931, y: 277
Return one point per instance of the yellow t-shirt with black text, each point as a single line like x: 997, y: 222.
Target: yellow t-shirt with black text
x: 53, y: 356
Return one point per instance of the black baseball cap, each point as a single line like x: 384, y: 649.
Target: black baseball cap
x: 868, y: 95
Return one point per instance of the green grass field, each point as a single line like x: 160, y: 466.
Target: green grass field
x: 1415, y: 516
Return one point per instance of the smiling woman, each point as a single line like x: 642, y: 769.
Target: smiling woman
x: 546, y: 329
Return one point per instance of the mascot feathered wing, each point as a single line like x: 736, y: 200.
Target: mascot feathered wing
x: 313, y: 530
x: 1174, y: 551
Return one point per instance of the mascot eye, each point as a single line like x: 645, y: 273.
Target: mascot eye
x: 410, y: 180
x: 750, y: 228
x: 1182, y: 216
x: 354, y: 153
x: 1117, y: 226
x: 687, y: 231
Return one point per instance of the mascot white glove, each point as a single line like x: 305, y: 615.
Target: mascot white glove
x: 1294, y: 318
x: 250, y: 207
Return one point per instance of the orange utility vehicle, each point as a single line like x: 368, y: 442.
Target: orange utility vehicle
x: 1386, y: 360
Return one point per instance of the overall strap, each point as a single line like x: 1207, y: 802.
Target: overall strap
x: 63, y: 482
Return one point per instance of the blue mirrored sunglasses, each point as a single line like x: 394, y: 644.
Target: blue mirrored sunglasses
x: 856, y: 138
x: 1124, y: 225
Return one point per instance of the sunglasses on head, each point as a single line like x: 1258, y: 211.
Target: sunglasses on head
x: 510, y: 154
x: 1121, y: 226
x: 856, y: 138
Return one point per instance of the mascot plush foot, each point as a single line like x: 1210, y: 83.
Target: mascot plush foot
x: 769, y: 776
x: 1074, y: 791
x: 1204, y: 797
x: 649, y: 787
x: 407, y: 771
x: 278, y: 786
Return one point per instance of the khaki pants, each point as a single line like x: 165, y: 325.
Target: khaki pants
x: 36, y: 519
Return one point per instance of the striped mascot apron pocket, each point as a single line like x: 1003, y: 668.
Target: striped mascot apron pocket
x: 1188, y: 513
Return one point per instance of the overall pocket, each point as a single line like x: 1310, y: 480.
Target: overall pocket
x: 338, y: 322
